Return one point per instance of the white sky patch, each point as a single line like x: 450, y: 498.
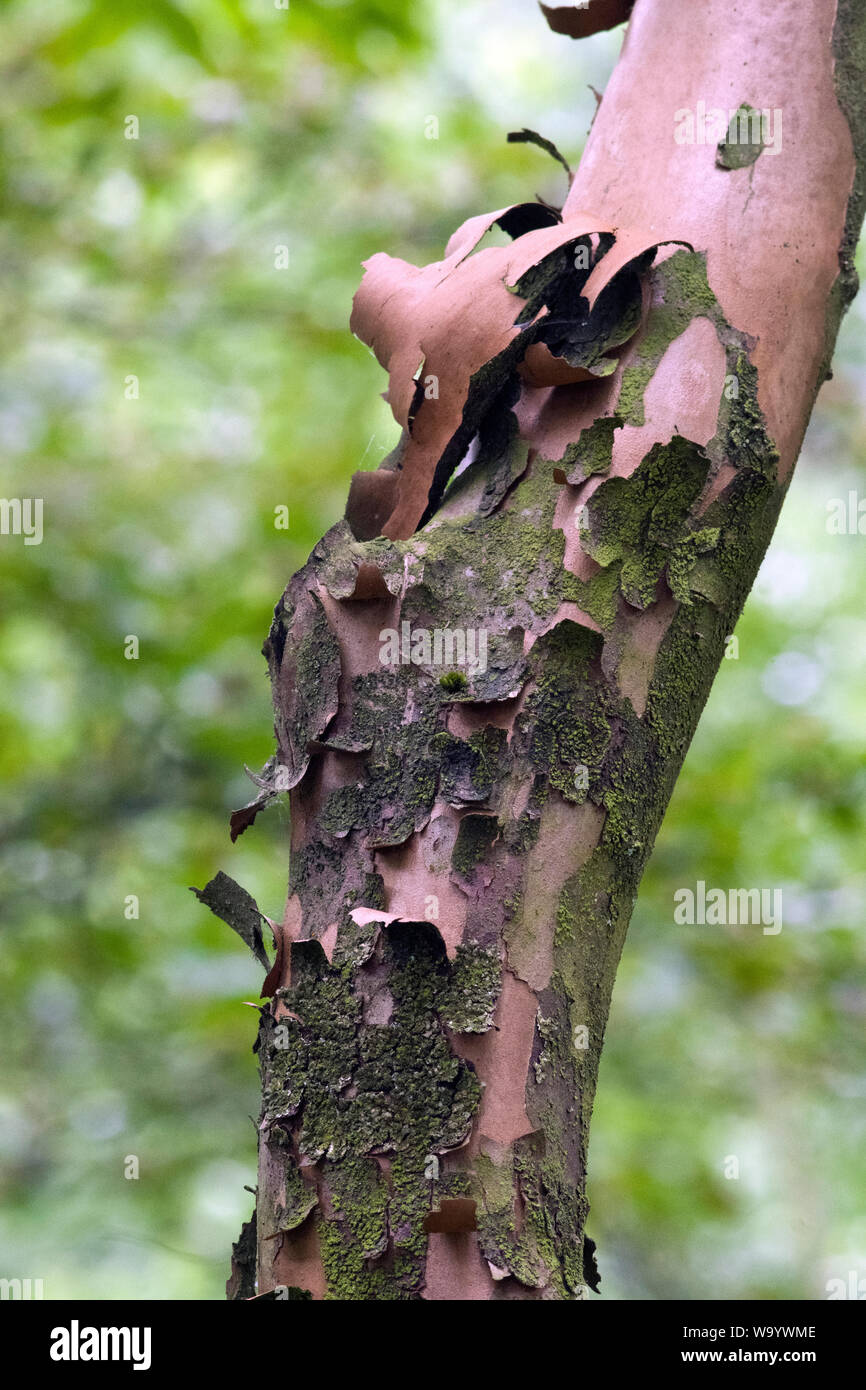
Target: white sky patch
x: 783, y: 577
x: 792, y: 678
x: 118, y: 199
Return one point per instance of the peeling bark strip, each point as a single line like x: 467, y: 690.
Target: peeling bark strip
x: 619, y: 400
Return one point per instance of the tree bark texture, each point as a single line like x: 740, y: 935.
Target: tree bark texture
x: 599, y: 425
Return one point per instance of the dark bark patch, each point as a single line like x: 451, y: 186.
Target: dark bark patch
x: 579, y: 21
x: 306, y: 690
x: 241, y: 1283
x: 371, y: 501
x: 234, y: 905
x: 453, y: 1215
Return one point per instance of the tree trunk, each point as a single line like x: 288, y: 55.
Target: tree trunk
x: 487, y: 677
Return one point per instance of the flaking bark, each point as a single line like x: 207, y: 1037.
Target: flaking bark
x: 592, y: 488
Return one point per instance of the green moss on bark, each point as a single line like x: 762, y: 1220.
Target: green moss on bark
x: 347, y: 1089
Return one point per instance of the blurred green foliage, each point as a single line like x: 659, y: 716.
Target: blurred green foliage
x: 150, y: 265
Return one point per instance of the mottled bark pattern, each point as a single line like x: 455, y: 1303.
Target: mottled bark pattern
x: 467, y: 843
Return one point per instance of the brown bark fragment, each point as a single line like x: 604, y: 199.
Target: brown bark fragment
x: 579, y: 21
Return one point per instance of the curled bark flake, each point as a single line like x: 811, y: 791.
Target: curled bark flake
x: 270, y: 781
x: 531, y: 137
x: 372, y: 498
x: 234, y: 905
x: 580, y: 300
x: 579, y: 21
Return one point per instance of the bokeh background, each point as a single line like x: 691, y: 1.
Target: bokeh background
x: 157, y: 258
